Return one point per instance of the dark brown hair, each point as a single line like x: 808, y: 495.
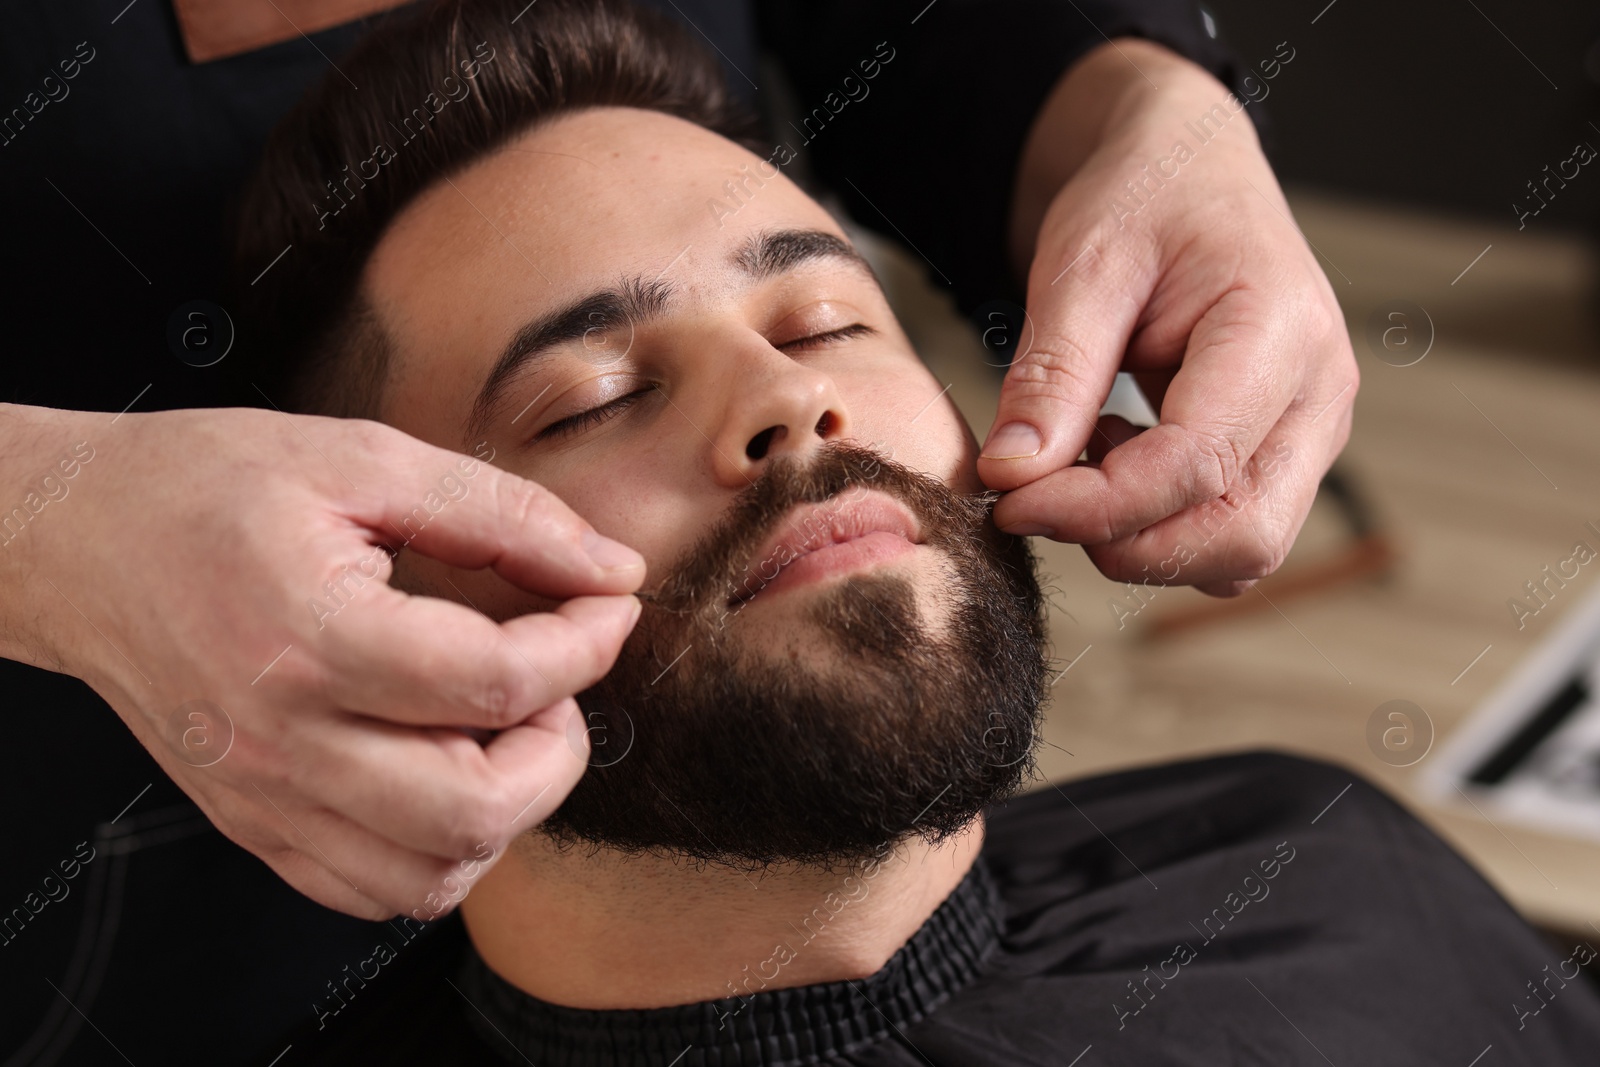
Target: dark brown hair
x: 423, y: 95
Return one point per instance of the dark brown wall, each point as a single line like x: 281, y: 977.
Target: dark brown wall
x: 1427, y: 102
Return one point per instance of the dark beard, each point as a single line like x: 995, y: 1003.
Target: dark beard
x: 704, y: 748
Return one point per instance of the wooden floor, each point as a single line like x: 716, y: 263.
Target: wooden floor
x: 1482, y: 462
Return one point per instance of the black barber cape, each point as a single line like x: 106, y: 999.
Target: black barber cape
x: 1243, y: 910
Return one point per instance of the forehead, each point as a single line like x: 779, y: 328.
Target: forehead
x: 559, y: 211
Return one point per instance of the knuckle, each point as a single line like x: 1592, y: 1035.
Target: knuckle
x: 1056, y: 365
x: 528, y: 504
x: 492, y: 701
x: 1106, y: 527
x: 1320, y: 319
x: 1259, y: 555
x: 1321, y: 322
x: 1352, y: 370
x: 480, y: 812
x: 1255, y: 567
x: 501, y: 804
x: 483, y: 821
x: 371, y: 434
x: 505, y: 693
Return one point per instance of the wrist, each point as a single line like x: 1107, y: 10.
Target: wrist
x: 42, y: 454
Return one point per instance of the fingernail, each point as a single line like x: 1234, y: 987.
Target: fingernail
x: 612, y: 555
x: 1027, y: 529
x: 1014, y: 440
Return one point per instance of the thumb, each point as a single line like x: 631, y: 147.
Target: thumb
x: 1082, y: 314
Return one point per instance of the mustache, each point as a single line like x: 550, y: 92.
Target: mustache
x: 707, y: 573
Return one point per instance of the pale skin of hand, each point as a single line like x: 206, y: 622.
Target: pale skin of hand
x: 180, y: 564
x: 1207, y: 293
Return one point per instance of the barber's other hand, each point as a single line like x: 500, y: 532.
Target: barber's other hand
x: 196, y: 544
x: 1204, y: 289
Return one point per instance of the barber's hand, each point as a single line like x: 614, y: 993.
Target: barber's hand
x: 198, y: 547
x: 1206, y: 291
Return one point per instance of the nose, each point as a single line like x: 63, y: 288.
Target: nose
x: 775, y: 406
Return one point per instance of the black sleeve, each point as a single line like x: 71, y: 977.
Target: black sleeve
x: 928, y: 146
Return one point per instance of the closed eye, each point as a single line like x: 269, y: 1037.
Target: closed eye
x: 819, y: 340
x: 583, y: 420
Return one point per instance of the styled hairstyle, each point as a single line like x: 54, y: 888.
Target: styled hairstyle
x: 424, y: 94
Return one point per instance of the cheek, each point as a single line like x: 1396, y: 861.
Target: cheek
x: 635, y: 500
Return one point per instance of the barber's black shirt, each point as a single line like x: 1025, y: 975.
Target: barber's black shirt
x: 1246, y: 910
x: 113, y: 193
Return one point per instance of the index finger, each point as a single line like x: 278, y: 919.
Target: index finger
x: 1054, y: 390
x: 470, y: 514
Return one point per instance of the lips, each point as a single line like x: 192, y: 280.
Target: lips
x: 830, y: 537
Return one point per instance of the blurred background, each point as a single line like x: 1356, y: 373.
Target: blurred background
x: 1441, y: 105
x: 1412, y: 139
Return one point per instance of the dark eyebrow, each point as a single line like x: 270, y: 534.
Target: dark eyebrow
x: 632, y: 302
x: 775, y: 252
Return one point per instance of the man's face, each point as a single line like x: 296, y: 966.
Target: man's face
x: 728, y: 392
